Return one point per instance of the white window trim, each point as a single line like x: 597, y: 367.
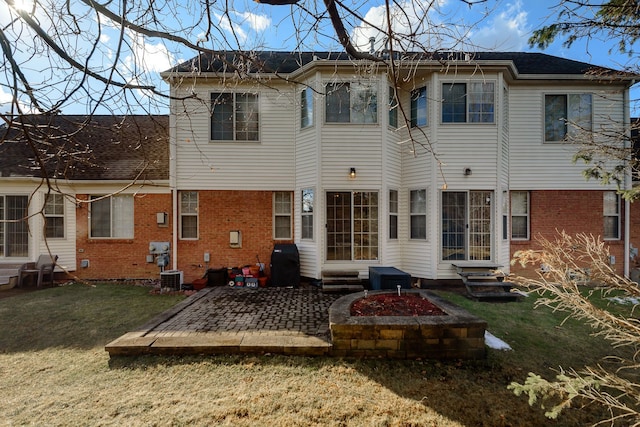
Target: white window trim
x: 527, y: 216
x: 466, y: 121
x: 235, y: 140
x: 196, y: 214
x: 426, y: 211
x: 277, y: 214
x: 307, y: 214
x: 374, y: 85
x: 544, y: 114
x: 111, y: 211
x: 617, y: 215
x: 312, y: 121
x: 393, y: 213
x: 53, y: 215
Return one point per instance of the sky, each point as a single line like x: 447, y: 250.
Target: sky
x: 503, y: 25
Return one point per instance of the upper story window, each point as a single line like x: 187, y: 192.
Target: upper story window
x: 472, y: 102
x: 566, y: 115
x: 419, y: 107
x: 234, y: 117
x: 351, y: 103
x: 54, y: 216
x: 188, y: 214
x: 112, y: 216
x: 306, y: 108
x: 393, y: 107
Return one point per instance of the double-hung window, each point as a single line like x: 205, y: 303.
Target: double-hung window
x: 472, y: 102
x: 306, y: 108
x: 282, y: 215
x: 112, y: 216
x: 418, y: 213
x: 234, y: 116
x: 393, y: 214
x: 566, y: 115
x: 351, y: 103
x: 188, y: 214
x: 54, y: 216
x: 307, y: 213
x: 14, y: 233
x: 419, y: 107
x: 393, y: 107
x: 520, y: 215
x: 611, y: 213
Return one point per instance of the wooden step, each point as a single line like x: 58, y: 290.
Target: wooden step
x: 504, y: 296
x: 494, y: 284
x: 342, y: 287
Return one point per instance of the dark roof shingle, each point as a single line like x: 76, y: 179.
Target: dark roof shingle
x: 86, y: 148
x: 288, y: 62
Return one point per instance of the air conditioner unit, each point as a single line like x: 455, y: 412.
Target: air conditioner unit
x: 171, y: 279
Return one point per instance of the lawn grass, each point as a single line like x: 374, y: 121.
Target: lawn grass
x: 54, y: 371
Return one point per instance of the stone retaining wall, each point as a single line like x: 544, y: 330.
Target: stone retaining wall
x: 458, y: 335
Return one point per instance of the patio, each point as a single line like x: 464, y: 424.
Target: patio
x: 237, y: 320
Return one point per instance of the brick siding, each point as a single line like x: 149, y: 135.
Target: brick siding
x: 572, y: 211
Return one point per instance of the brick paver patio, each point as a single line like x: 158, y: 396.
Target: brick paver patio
x: 237, y: 320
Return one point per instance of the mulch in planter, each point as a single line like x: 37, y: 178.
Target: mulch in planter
x: 394, y: 305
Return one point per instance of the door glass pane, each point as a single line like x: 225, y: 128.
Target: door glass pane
x: 338, y: 226
x: 480, y: 225
x: 453, y: 225
x: 365, y: 224
x: 17, y: 233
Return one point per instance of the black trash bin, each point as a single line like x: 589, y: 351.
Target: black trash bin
x: 285, y: 265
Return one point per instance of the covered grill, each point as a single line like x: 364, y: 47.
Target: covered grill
x: 285, y: 265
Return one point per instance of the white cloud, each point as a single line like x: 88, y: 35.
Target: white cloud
x: 255, y: 21
x: 417, y: 25
x: 243, y: 24
x: 7, y: 104
x: 426, y: 25
x: 508, y: 31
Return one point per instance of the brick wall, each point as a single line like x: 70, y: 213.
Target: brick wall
x: 572, y: 211
x: 250, y: 212
x: 123, y: 258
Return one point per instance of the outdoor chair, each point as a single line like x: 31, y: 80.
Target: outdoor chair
x: 40, y: 269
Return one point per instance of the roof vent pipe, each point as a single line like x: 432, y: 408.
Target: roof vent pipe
x: 372, y: 41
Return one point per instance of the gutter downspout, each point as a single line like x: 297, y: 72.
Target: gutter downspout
x: 173, y: 161
x: 627, y: 186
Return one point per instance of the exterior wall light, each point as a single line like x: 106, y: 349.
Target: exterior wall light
x: 352, y: 173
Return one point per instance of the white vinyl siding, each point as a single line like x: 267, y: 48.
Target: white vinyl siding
x: 536, y: 164
x: 228, y: 165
